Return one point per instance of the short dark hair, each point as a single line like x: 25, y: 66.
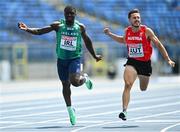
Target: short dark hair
x: 69, y: 7
x: 133, y: 11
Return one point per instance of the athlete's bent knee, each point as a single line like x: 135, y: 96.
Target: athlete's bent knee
x: 128, y: 85
x: 75, y: 83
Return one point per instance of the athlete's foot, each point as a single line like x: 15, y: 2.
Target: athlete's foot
x: 88, y: 82
x: 123, y: 116
x: 72, y: 115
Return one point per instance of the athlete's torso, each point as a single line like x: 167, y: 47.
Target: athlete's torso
x: 69, y: 41
x: 139, y: 47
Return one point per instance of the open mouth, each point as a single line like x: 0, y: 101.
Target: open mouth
x: 137, y: 22
x: 69, y: 18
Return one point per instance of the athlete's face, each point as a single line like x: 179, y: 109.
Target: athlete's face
x: 69, y: 16
x: 135, y: 20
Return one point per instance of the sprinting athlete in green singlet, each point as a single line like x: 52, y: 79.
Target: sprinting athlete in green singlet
x: 69, y: 44
x: 69, y: 33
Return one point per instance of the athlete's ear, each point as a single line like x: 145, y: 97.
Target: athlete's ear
x: 75, y: 13
x: 18, y: 24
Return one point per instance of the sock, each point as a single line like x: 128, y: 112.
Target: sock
x: 69, y: 109
x: 85, y: 78
x: 124, y: 110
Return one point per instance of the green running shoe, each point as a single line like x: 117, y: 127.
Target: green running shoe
x: 123, y: 116
x: 88, y: 82
x: 72, y: 115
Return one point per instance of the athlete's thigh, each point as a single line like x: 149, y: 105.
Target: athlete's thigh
x: 130, y: 74
x: 144, y: 81
x: 75, y: 69
x: 63, y: 71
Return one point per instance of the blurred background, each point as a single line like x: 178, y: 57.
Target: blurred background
x: 26, y: 57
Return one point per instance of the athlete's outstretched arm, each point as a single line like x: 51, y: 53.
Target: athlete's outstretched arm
x: 159, y: 45
x: 88, y: 43
x: 37, y: 31
x: 115, y: 37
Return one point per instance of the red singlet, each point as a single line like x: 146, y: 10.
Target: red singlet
x: 139, y: 47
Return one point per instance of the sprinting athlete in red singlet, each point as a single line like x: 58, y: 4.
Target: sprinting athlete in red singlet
x: 139, y: 47
x: 138, y: 41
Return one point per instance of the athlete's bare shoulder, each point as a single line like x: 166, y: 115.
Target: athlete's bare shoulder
x: 149, y: 31
x: 125, y: 30
x: 82, y: 26
x: 55, y: 25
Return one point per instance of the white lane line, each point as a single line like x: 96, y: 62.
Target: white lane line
x: 87, y: 108
x: 98, y: 114
x: 169, y: 127
x: 131, y: 119
x: 157, y: 121
x: 26, y: 97
x: 51, y: 95
x: 29, y: 108
x: 156, y: 115
x: 43, y: 102
x: 31, y: 103
x: 58, y: 105
x: 60, y: 111
x: 85, y: 121
x: 12, y: 122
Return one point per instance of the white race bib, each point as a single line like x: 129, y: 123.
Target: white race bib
x: 68, y: 43
x: 135, y: 50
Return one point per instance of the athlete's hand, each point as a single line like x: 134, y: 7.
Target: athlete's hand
x: 106, y: 31
x: 22, y: 26
x: 171, y: 63
x: 98, y: 58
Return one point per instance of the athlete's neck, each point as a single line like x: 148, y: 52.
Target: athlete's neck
x: 135, y: 28
x: 69, y: 23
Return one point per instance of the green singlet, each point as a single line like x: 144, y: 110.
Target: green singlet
x: 69, y: 45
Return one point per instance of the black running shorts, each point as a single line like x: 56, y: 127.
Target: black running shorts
x: 142, y: 67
